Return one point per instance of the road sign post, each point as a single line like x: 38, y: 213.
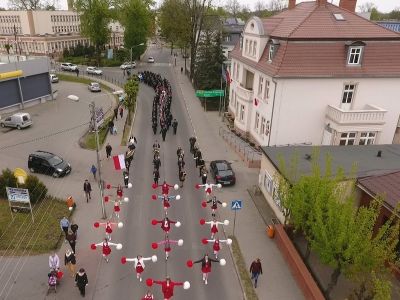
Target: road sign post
x: 235, y: 206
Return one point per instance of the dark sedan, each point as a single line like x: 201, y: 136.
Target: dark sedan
x: 222, y: 172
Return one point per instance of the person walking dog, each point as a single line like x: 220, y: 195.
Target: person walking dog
x: 255, y: 270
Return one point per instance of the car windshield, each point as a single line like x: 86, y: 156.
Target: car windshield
x: 95, y: 84
x: 55, y: 160
x: 222, y: 167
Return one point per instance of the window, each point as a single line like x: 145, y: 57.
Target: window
x: 348, y: 93
x: 254, y: 48
x: 262, y: 131
x: 257, y: 121
x: 241, y: 113
x: 271, y: 52
x: 246, y: 47
x: 355, y: 55
x: 266, y: 94
x: 268, y: 184
x: 367, y: 138
x: 347, y: 138
x: 260, y: 85
x: 250, y: 48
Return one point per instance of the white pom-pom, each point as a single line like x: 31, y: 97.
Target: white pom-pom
x: 154, y: 258
x: 119, y: 246
x: 129, y: 185
x: 178, y: 197
x: 226, y: 222
x: 219, y: 185
x: 180, y: 242
x: 223, y: 204
x: 120, y: 225
x: 176, y: 186
x: 222, y: 262
x: 178, y: 224
x: 228, y: 241
x: 126, y: 199
x: 186, y: 285
x: 70, y: 208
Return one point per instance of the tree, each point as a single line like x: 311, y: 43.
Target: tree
x: 277, y: 5
x: 233, y: 7
x: 131, y: 88
x: 136, y: 18
x: 95, y: 17
x: 366, y: 7
x: 25, y: 4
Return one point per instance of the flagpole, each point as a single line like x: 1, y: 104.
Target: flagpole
x: 220, y: 98
x: 224, y: 100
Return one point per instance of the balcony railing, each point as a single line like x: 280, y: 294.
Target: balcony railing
x: 243, y: 93
x: 370, y: 115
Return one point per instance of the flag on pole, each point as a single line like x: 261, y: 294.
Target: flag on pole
x: 119, y: 162
x: 228, y: 76
x: 225, y: 74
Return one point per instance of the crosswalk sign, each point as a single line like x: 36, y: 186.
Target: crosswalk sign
x: 236, y: 204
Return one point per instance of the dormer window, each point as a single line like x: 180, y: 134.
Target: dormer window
x: 271, y: 52
x: 354, y: 57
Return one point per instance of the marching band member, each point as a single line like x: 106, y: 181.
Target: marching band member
x: 216, y: 244
x: 106, y: 249
x: 214, y: 225
x: 205, y: 265
x: 108, y: 227
x: 139, y: 263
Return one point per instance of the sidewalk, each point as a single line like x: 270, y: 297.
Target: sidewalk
x: 277, y: 282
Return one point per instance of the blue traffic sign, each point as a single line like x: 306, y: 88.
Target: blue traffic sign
x: 236, y: 204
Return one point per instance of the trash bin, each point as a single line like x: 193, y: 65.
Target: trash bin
x: 271, y: 231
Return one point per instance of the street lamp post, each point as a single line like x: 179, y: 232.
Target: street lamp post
x: 141, y: 44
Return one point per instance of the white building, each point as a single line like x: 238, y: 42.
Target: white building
x: 45, y: 31
x: 316, y: 74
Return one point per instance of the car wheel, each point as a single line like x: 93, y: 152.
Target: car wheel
x: 2, y: 125
x: 32, y: 170
x: 18, y: 127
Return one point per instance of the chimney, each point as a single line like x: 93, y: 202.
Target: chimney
x: 292, y: 4
x: 349, y: 5
x: 321, y: 2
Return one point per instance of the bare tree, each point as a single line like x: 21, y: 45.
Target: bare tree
x: 259, y: 7
x: 366, y: 7
x: 233, y: 7
x: 277, y: 5
x: 25, y: 4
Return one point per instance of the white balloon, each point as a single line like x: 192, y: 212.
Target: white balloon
x: 129, y: 185
x: 176, y: 186
x: 178, y: 197
x: 180, y: 242
x: 223, y: 204
x: 186, y: 285
x: 126, y: 199
x: 226, y: 222
x: 178, y: 224
x: 222, y: 262
x: 228, y: 241
x: 120, y: 225
x: 70, y: 208
x: 154, y: 258
x: 119, y: 246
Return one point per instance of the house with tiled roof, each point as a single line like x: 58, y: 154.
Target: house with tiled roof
x: 316, y: 74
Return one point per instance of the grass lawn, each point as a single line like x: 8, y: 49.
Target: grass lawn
x: 80, y: 79
x: 90, y: 140
x: 26, y: 238
x: 243, y: 270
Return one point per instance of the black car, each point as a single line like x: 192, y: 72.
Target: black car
x: 222, y: 172
x: 48, y: 163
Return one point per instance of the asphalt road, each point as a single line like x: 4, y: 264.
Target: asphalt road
x: 118, y: 281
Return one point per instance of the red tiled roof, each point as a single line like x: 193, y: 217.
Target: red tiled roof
x: 387, y: 185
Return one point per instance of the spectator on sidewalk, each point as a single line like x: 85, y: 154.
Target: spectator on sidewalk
x: 81, y: 281
x: 111, y: 126
x: 121, y: 112
x: 255, y: 270
x: 74, y: 229
x: 71, y: 238
x: 64, y: 224
x: 87, y: 188
x: 70, y: 261
x: 54, y: 262
x: 70, y: 203
x: 93, y: 170
x: 116, y: 113
x: 108, y: 150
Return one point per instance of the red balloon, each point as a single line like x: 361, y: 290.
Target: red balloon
x: 204, y: 241
x: 189, y: 263
x: 154, y: 186
x: 108, y: 186
x: 106, y: 199
x: 204, y: 204
x: 149, y: 282
x: 154, y: 197
x: 123, y: 260
x: 93, y: 246
x: 154, y: 245
x: 154, y: 222
x: 96, y: 224
x: 202, y: 221
x: 197, y: 186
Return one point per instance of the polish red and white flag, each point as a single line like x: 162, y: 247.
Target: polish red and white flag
x: 119, y: 162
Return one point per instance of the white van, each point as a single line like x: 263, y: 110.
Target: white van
x: 18, y: 120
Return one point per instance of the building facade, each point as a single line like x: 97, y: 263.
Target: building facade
x: 316, y: 74
x: 46, y: 32
x: 232, y: 29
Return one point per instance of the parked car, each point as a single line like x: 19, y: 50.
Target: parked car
x: 53, y: 78
x: 69, y: 67
x: 222, y: 172
x: 48, y: 163
x: 18, y: 120
x: 94, y: 87
x: 94, y: 71
x: 128, y: 65
x: 150, y: 59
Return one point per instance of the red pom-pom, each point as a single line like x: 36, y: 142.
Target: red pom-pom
x: 154, y: 222
x: 93, y: 246
x: 154, y: 245
x: 123, y: 260
x: 154, y: 186
x: 108, y: 186
x: 208, y: 191
x: 197, y: 186
x: 202, y: 221
x: 106, y: 198
x: 149, y: 282
x: 154, y: 197
x: 189, y: 263
x: 96, y: 224
x: 204, y: 204
x: 204, y: 241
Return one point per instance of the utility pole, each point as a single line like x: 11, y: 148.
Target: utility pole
x: 101, y: 183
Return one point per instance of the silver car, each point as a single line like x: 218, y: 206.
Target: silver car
x: 94, y: 71
x: 128, y: 65
x: 18, y: 120
x: 94, y: 87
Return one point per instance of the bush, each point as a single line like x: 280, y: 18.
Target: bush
x: 7, y: 178
x: 37, y: 189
